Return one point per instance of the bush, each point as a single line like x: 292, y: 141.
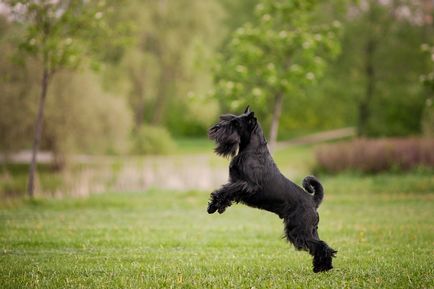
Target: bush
x: 82, y: 118
x: 371, y: 156
x: 152, y: 140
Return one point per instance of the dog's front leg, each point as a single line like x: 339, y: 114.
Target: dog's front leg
x: 223, y: 197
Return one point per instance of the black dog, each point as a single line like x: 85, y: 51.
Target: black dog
x: 255, y: 180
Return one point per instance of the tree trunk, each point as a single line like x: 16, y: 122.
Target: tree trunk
x: 165, y: 82
x: 139, y: 106
x: 140, y: 112
x: 38, y: 132
x: 364, y: 105
x: 165, y: 78
x: 277, y: 110
x: 159, y: 106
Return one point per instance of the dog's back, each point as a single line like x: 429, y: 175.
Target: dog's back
x: 274, y: 192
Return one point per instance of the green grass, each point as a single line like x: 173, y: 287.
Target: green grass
x: 382, y: 228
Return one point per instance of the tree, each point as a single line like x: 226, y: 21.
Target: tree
x: 380, y: 65
x: 275, y: 58
x: 173, y: 41
x: 428, y: 81
x: 56, y: 33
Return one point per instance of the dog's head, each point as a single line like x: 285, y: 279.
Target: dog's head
x: 233, y: 132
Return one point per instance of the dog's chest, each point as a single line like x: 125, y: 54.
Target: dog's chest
x: 235, y: 170
x: 243, y: 166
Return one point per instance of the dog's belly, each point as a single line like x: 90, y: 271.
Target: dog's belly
x: 274, y: 205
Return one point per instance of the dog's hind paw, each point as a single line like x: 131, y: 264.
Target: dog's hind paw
x: 318, y: 269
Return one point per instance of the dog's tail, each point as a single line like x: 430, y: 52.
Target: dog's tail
x: 313, y: 186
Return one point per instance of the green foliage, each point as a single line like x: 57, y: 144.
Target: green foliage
x: 152, y: 140
x: 80, y: 116
x: 428, y: 81
x: 90, y: 120
x: 428, y: 78
x: 168, y: 63
x: 158, y: 56
x: 397, y: 101
x: 428, y: 119
x: 283, y: 52
x: 16, y: 84
x: 60, y: 33
x: 237, y: 13
x: 192, y: 116
x: 163, y: 239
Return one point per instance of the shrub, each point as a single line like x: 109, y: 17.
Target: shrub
x: 371, y: 156
x: 152, y: 140
x: 82, y: 118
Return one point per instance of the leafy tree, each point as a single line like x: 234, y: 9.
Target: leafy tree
x: 237, y: 13
x: 428, y: 78
x: 379, y: 67
x: 83, y: 118
x: 275, y: 58
x: 57, y: 34
x: 428, y: 81
x: 169, y: 59
x: 16, y: 82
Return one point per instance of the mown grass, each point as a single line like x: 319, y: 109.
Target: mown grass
x: 382, y: 228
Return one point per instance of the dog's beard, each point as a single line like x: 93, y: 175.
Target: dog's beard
x: 226, y: 138
x: 227, y: 149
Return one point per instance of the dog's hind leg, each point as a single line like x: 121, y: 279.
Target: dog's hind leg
x: 223, y: 197
x: 303, y: 240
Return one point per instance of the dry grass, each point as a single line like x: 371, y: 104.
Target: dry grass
x: 372, y: 156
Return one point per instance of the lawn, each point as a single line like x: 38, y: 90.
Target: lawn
x: 382, y: 227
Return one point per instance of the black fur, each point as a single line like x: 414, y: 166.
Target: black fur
x: 255, y: 180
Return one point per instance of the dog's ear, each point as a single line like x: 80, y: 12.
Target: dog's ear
x: 251, y: 115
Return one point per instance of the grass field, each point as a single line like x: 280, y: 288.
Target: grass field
x: 382, y: 227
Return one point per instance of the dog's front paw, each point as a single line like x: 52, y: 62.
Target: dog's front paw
x: 322, y: 261
x: 212, y: 208
x: 221, y: 210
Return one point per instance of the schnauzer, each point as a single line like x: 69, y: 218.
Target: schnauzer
x: 255, y: 180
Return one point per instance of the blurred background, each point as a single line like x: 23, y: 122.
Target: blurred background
x: 125, y: 90
x: 105, y: 165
